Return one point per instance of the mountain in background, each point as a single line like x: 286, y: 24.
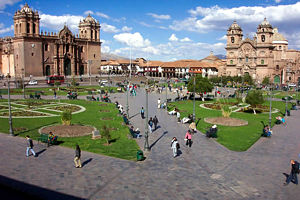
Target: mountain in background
x: 108, y: 56
x: 221, y: 56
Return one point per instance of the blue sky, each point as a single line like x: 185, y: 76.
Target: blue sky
x: 162, y: 29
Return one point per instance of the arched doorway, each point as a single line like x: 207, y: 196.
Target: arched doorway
x: 276, y: 79
x: 81, y: 70
x: 67, y: 67
x: 48, y: 72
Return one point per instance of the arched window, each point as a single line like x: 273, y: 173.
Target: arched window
x: 279, y: 47
x: 277, y: 67
x: 263, y: 38
x: 33, y: 28
x: 231, y: 62
x: 95, y: 35
x: 232, y: 39
x: 262, y: 62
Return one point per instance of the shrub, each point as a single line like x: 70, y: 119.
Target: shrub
x: 106, y: 134
x: 226, y: 111
x: 255, y: 98
x: 66, y: 117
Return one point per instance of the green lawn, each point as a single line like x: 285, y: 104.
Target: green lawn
x: 233, y: 138
x: 122, y: 147
x: 81, y: 90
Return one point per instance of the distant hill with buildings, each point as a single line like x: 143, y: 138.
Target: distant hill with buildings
x: 108, y: 56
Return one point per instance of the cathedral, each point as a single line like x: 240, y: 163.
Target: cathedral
x: 266, y: 55
x: 34, y: 53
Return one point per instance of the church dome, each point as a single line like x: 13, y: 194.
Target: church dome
x: 277, y: 37
x: 235, y: 26
x: 26, y: 9
x: 265, y: 24
x: 90, y: 19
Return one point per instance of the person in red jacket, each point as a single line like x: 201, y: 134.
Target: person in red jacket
x: 188, y: 138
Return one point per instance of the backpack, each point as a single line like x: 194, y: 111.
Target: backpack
x: 177, y: 145
x: 297, y: 167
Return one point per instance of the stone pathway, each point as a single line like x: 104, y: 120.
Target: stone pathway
x: 206, y: 171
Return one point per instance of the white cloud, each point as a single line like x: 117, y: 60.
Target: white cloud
x: 3, y: 3
x: 5, y: 30
x: 160, y: 17
x: 105, y: 49
x: 132, y: 39
x: 203, y: 19
x: 224, y: 37
x: 145, y: 24
x: 126, y: 29
x: 88, y: 12
x: 277, y: 1
x: 57, y: 22
x: 186, y: 39
x: 109, y: 28
x: 173, y: 38
x: 99, y: 14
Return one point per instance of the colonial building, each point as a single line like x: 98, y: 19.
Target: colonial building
x: 266, y: 55
x: 34, y: 53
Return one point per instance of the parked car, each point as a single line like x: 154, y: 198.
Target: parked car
x: 32, y: 82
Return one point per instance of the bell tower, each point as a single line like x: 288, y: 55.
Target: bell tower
x: 264, y: 33
x: 26, y: 22
x: 234, y: 35
x: 89, y: 29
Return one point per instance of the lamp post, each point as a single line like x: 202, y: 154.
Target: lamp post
x: 11, y: 131
x: 286, y: 106
x: 166, y: 93
x: 270, y: 113
x: 23, y: 74
x: 194, y: 114
x: 146, y: 145
x: 127, y: 106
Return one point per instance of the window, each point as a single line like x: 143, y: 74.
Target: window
x: 232, y: 39
x: 67, y: 48
x: 94, y: 55
x: 262, y: 62
x: 95, y: 35
x: 33, y: 28
x: 28, y: 28
x: 232, y: 32
x: 277, y: 67
x: 263, y: 38
x: 279, y: 47
x: 231, y: 62
x: 32, y: 54
x: 16, y: 28
x: 290, y: 78
x: 46, y: 47
x: 81, y: 49
x: 247, y: 59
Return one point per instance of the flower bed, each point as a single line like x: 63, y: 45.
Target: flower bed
x: 23, y: 113
x: 66, y: 107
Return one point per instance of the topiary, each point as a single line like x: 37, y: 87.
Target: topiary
x: 66, y: 117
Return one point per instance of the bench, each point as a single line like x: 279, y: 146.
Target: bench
x: 44, y: 138
x: 134, y: 134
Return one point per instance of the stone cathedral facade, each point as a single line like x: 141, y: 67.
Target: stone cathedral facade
x: 266, y: 55
x: 34, y: 53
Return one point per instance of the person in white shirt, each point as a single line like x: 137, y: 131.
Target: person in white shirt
x: 158, y: 103
x: 175, y: 146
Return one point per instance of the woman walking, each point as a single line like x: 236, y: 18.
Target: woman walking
x: 188, y: 138
x: 77, y: 157
x: 175, y: 146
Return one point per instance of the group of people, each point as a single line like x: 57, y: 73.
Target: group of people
x: 132, y: 89
x: 161, y: 105
x: 152, y: 122
x: 281, y: 120
x: 175, y: 146
x: 267, y: 132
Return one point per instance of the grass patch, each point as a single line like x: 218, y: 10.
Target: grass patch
x: 121, y: 147
x: 233, y: 138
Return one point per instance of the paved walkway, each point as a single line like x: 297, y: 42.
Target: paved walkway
x: 206, y: 171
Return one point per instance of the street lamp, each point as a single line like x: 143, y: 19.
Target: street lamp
x: 23, y: 74
x: 167, y: 84
x: 11, y: 131
x: 194, y: 114
x: 127, y: 106
x: 146, y: 145
x: 270, y: 113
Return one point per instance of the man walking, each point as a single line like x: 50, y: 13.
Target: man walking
x: 155, y: 122
x: 175, y: 146
x: 77, y: 157
x: 293, y: 175
x: 142, y: 113
x: 30, y: 147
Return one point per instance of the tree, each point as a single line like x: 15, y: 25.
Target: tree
x: 202, y: 85
x: 266, y: 80
x: 66, y: 117
x: 215, y: 80
x: 254, y: 98
x: 106, y: 134
x: 248, y: 79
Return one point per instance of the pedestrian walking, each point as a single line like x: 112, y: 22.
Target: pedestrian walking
x: 175, y: 146
x: 54, y: 94
x: 178, y: 116
x: 188, y: 138
x: 142, y: 113
x: 155, y: 122
x: 158, y: 103
x: 30, y: 147
x: 150, y: 122
x: 77, y: 157
x: 293, y: 175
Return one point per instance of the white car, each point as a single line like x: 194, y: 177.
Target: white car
x: 32, y: 82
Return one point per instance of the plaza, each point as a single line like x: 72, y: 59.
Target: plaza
x: 208, y: 170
